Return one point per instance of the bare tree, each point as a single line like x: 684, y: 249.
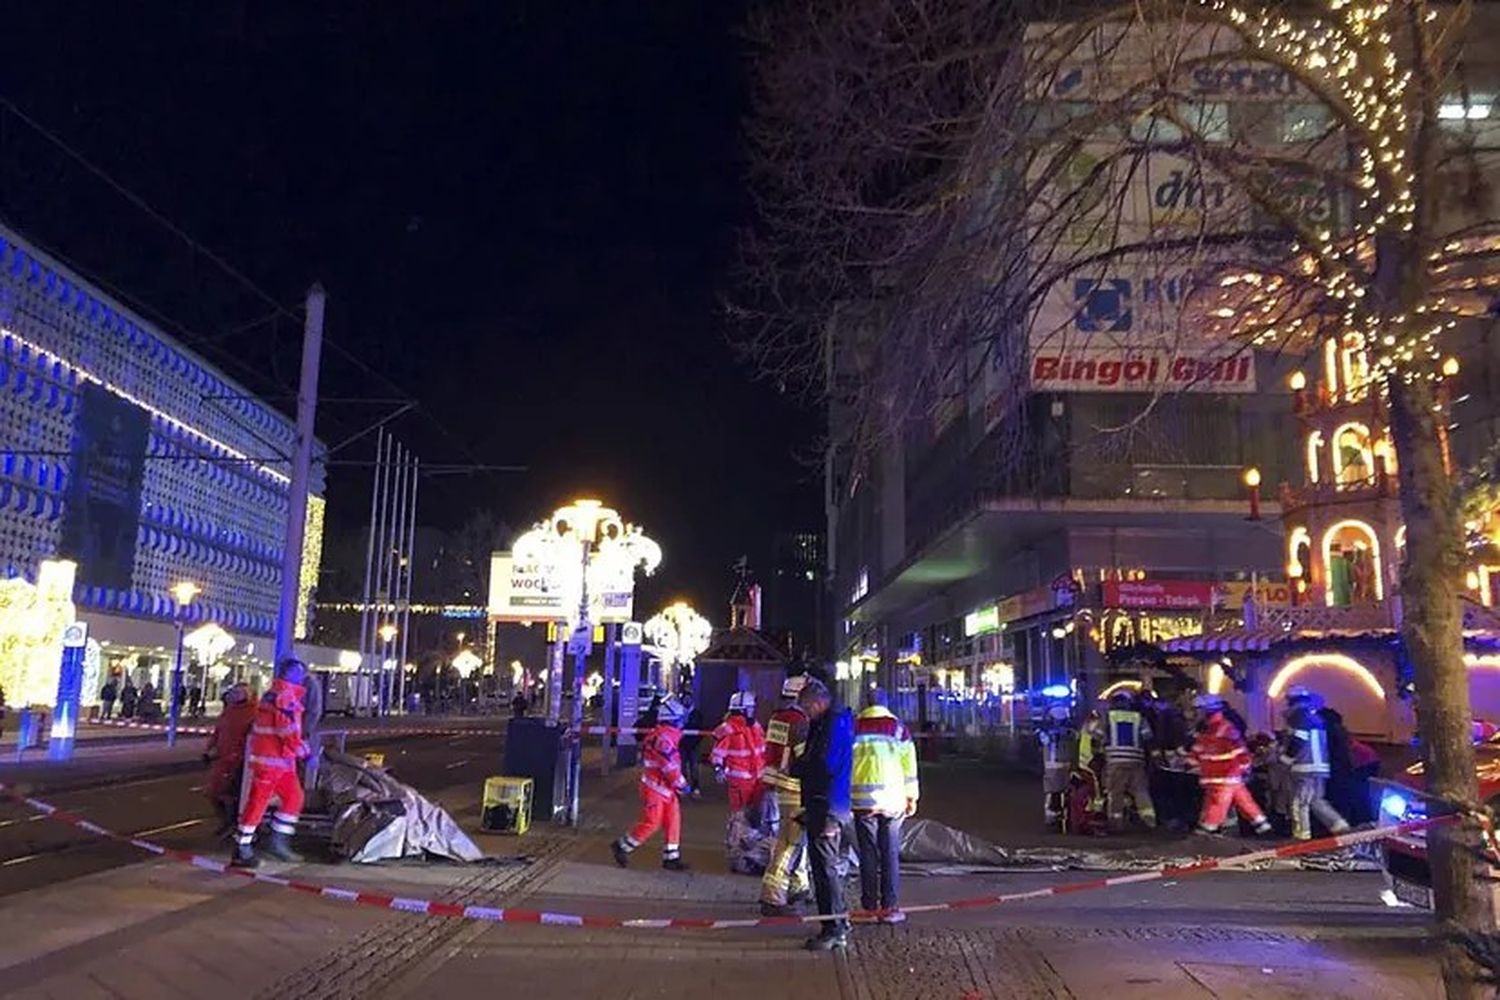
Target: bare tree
x: 937, y: 180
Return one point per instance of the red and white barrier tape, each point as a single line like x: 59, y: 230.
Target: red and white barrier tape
x: 404, y: 731
x: 495, y: 914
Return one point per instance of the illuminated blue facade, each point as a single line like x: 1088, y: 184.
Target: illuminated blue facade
x: 129, y: 454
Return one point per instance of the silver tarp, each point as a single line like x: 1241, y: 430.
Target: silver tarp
x: 937, y: 849
x: 377, y: 818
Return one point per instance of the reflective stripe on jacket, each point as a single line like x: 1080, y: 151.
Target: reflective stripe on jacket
x: 1308, y: 742
x: 1220, y: 753
x: 276, y: 734
x: 786, y: 739
x: 885, y: 763
x: 1126, y: 733
x: 661, y: 764
x: 739, y: 749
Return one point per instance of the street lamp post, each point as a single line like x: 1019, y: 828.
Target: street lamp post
x: 388, y: 634
x: 584, y: 545
x: 183, y: 593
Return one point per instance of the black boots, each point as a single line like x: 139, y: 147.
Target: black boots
x: 280, y: 848
x: 244, y: 857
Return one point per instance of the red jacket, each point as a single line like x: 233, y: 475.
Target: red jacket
x: 739, y: 749
x: 276, y: 736
x: 786, y: 740
x: 226, y: 743
x: 661, y: 763
x: 1220, y: 753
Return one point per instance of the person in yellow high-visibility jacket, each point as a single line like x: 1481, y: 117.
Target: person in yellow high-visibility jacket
x: 883, y: 792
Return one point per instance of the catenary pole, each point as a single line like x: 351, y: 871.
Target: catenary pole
x: 296, y: 516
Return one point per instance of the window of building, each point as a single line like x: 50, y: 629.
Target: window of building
x: 1208, y: 119
x: 1351, y: 560
x: 1353, y: 458
x: 1466, y: 107
x: 1305, y: 122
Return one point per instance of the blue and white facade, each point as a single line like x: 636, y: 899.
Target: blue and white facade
x: 129, y: 454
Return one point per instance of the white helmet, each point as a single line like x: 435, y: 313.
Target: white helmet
x: 670, y: 712
x: 742, y: 701
x: 792, y: 686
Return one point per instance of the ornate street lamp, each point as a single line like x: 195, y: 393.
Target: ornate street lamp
x: 680, y: 633
x: 183, y: 593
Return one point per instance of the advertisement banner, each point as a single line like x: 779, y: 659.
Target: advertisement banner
x: 1158, y: 593
x: 1122, y: 370
x: 525, y: 591
x: 101, y: 514
x: 1026, y: 604
x: 1268, y: 594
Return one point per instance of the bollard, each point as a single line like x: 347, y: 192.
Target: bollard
x: 28, y: 731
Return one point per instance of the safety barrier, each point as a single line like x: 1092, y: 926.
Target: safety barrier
x: 380, y: 731
x: 520, y: 916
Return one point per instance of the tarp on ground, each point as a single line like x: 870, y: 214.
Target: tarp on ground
x: 939, y: 849
x: 377, y: 818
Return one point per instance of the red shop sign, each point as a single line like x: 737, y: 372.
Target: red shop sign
x: 1158, y: 593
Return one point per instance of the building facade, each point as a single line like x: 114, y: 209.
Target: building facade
x: 142, y: 465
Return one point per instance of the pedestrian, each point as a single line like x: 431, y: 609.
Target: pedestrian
x: 738, y: 758
x: 312, y: 723
x: 692, y: 739
x: 884, y: 791
x: 195, y: 700
x: 518, y: 705
x: 274, y: 749
x: 147, y: 708
x: 225, y: 755
x: 1056, y: 735
x: 107, y: 696
x: 661, y: 783
x: 1306, y: 753
x: 825, y: 767
x: 785, y: 882
x: 129, y: 697
x: 1223, y: 760
x: 1125, y: 737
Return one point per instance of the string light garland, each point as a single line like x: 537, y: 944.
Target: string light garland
x: 1347, y: 54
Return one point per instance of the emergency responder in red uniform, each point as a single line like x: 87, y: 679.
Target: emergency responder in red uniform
x: 738, y: 758
x: 271, y: 773
x: 661, y: 782
x: 1223, y: 760
x: 225, y: 755
x: 786, y: 877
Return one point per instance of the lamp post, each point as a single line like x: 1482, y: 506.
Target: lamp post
x: 589, y: 552
x: 183, y: 593
x: 1252, y: 483
x: 388, y: 633
x: 681, y: 633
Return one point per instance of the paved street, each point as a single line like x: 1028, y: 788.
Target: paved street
x: 82, y: 919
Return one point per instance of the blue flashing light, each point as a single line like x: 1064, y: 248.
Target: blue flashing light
x: 1394, y: 805
x: 1057, y: 691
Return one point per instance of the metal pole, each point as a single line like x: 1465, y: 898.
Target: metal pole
x: 367, y: 613
x: 296, y: 515
x: 377, y: 607
x: 554, y: 675
x: 580, y: 664
x: 611, y: 638
x: 392, y: 566
x: 411, y: 568
x: 398, y: 542
x: 176, y: 685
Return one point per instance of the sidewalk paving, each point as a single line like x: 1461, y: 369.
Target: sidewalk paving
x: 162, y: 929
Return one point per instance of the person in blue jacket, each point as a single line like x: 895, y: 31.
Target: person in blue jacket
x: 825, y: 769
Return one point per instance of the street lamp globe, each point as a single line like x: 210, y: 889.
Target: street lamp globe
x: 184, y: 591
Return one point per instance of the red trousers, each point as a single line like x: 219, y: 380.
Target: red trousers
x: 262, y: 785
x: 744, y: 794
x: 1217, y: 800
x: 656, y: 812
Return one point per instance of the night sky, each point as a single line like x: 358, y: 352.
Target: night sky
x: 523, y: 213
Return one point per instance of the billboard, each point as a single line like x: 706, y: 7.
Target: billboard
x: 102, y: 508
x: 528, y: 591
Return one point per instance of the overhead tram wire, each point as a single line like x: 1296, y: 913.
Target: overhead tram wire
x: 228, y: 268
